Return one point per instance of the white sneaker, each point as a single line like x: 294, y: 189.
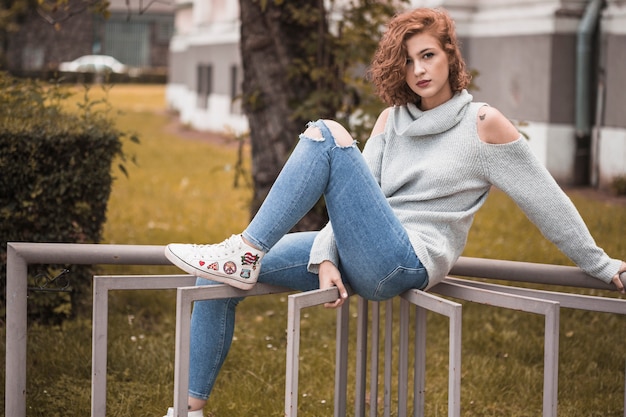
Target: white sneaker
x: 197, y: 413
x: 231, y: 262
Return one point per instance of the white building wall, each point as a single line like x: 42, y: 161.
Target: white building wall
x: 529, y: 75
x: 610, y: 137
x: 207, y: 34
x: 522, y: 77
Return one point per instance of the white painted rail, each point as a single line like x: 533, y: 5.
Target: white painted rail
x: 21, y: 255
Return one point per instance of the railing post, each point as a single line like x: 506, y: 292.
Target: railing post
x: 341, y: 359
x: 403, y: 358
x: 419, y: 379
x: 99, y: 336
x: 361, y: 357
x: 181, y: 355
x: 388, y: 358
x: 551, y: 362
x: 454, y: 365
x: 292, y: 361
x: 16, y: 288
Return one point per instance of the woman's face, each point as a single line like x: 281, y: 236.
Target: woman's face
x: 428, y: 70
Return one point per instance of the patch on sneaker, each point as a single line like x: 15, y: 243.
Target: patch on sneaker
x: 245, y: 273
x: 230, y: 268
x: 249, y: 259
x: 213, y: 267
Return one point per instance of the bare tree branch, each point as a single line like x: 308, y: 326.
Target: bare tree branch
x: 47, y: 15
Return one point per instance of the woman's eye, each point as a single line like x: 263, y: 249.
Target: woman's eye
x: 428, y: 55
x: 409, y: 61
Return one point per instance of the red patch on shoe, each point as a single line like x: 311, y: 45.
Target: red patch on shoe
x: 249, y: 259
x: 201, y: 263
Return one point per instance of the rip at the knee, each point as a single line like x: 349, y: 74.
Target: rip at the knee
x: 313, y: 133
x: 321, y: 130
x: 341, y: 136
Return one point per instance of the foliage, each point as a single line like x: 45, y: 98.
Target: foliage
x: 54, y: 13
x: 305, y: 60
x: 56, y: 180
x: 336, y: 60
x: 618, y: 185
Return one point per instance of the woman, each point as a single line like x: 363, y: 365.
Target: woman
x: 401, y: 211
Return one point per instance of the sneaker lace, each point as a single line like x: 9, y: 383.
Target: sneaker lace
x: 231, y: 245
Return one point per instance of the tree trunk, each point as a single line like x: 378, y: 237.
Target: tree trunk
x: 270, y: 40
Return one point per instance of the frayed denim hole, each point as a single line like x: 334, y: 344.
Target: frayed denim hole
x: 314, y: 139
x: 329, y: 134
x: 325, y: 133
x: 353, y: 145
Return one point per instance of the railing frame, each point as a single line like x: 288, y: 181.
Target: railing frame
x: 185, y: 297
x: 102, y: 285
x: 423, y: 302
x: 548, y: 308
x: 21, y: 255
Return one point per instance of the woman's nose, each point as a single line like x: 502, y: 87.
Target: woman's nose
x: 418, y: 69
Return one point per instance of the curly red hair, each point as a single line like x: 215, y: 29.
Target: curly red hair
x: 388, y: 69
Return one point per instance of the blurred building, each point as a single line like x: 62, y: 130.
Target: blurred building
x: 205, y: 73
x: 558, y: 66
x: 555, y: 66
x: 137, y: 37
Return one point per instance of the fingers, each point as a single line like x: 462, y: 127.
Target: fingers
x: 343, y: 296
x: 337, y: 303
x: 330, y: 276
x: 619, y: 280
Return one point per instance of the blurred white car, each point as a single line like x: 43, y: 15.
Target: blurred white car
x: 94, y: 63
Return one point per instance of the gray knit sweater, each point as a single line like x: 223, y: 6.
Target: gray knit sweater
x: 436, y: 173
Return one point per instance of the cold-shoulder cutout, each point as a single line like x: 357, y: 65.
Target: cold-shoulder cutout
x: 494, y: 128
x: 381, y: 122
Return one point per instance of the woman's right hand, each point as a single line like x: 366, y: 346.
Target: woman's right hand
x: 618, y: 281
x: 330, y: 276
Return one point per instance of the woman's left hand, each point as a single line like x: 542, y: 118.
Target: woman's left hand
x: 330, y: 276
x: 618, y: 281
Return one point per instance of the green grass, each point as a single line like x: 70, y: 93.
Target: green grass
x: 181, y: 190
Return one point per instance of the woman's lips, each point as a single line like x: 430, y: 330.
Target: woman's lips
x: 423, y: 83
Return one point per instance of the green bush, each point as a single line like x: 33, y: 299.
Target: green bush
x: 618, y: 185
x: 55, y: 183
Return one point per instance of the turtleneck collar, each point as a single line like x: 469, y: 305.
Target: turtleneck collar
x: 409, y: 120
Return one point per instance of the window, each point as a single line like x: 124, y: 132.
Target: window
x: 164, y: 31
x: 204, y: 85
x: 235, y: 94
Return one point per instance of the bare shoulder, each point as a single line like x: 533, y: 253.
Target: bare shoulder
x: 381, y: 122
x: 493, y: 127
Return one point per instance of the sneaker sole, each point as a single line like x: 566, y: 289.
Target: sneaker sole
x: 190, y: 269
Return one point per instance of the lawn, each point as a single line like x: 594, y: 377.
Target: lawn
x: 181, y: 189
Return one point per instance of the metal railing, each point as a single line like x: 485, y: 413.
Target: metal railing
x: 102, y: 285
x: 21, y: 255
x: 540, y: 302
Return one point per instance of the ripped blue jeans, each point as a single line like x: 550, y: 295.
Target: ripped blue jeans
x: 376, y: 258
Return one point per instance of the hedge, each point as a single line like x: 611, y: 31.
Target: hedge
x: 55, y: 182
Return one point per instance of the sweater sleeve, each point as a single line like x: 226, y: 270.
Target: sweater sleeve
x: 514, y: 169
x: 324, y: 247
